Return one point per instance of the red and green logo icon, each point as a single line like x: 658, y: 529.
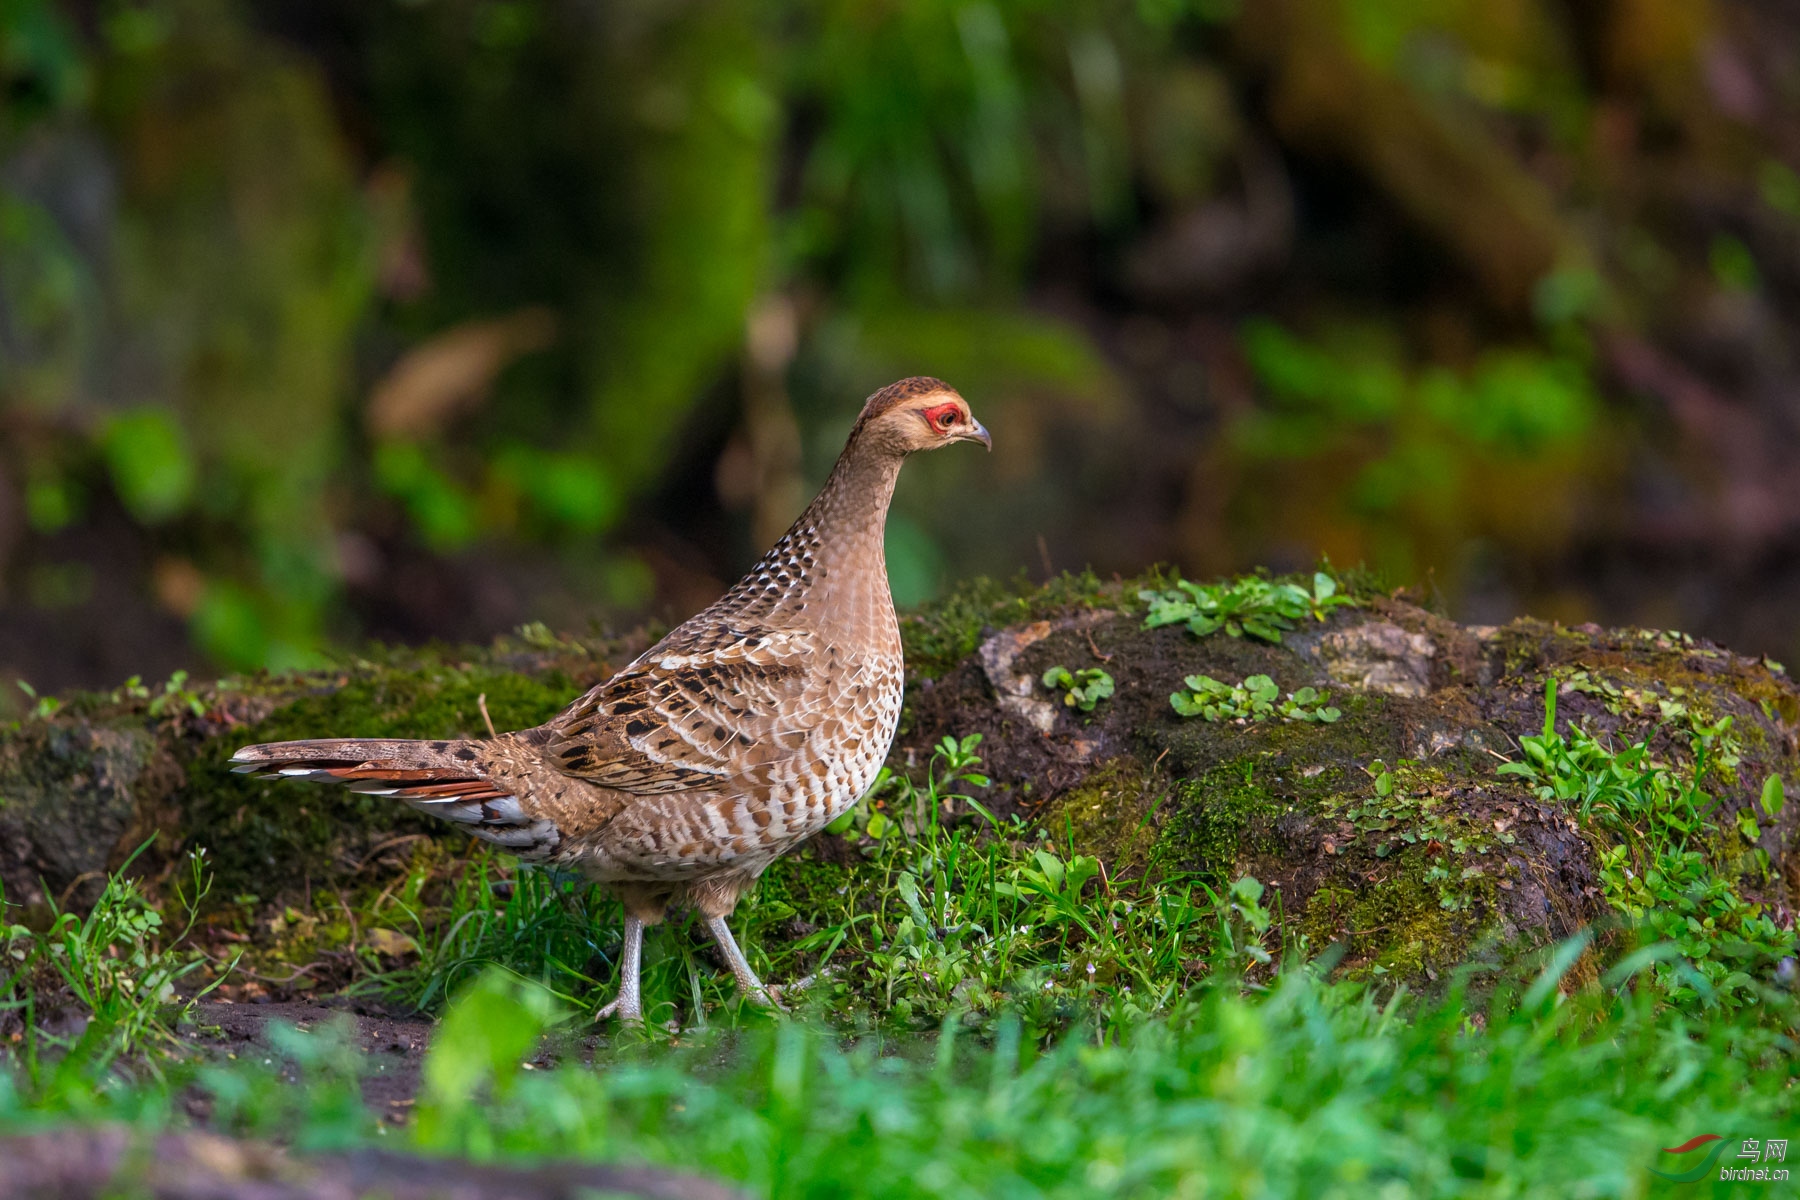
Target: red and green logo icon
x: 1748, y: 1150
x: 1700, y: 1170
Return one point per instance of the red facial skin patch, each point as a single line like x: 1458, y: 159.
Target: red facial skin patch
x: 942, y: 417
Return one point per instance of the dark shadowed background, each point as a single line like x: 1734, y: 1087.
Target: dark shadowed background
x: 323, y: 320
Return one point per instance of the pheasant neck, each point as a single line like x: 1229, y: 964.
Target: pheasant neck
x: 845, y: 525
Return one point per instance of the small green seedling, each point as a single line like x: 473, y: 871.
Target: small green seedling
x: 1773, y: 800
x: 1248, y: 607
x: 1211, y: 700
x: 1309, y: 704
x: 1081, y: 689
x: 176, y: 696
x: 43, y: 707
x: 1774, y: 796
x: 1255, y: 699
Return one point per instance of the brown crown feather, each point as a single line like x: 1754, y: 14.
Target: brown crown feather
x: 893, y: 394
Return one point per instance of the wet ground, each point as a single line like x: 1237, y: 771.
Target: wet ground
x: 393, y: 1045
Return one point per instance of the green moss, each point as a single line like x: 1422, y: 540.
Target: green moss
x: 1112, y: 815
x: 1424, y: 896
x: 1528, y: 644
x: 1401, y: 924
x: 1340, y: 751
x: 939, y: 635
x: 1217, y: 819
x: 816, y: 889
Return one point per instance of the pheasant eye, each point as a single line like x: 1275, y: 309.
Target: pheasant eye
x: 942, y: 417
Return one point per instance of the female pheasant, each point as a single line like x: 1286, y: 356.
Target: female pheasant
x: 743, y: 732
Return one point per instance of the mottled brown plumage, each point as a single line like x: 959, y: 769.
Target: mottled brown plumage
x: 746, y: 730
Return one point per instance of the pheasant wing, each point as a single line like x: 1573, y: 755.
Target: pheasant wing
x: 689, y: 716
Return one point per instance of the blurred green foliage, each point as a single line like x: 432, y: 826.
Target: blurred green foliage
x: 1426, y: 455
x: 283, y: 282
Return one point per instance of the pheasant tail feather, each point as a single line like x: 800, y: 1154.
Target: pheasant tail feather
x: 406, y: 770
x: 447, y: 779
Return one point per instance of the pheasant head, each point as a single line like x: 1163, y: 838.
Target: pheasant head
x: 915, y: 414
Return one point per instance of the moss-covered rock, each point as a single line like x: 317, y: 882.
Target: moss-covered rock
x: 82, y: 788
x: 1388, y: 830
x: 75, y: 797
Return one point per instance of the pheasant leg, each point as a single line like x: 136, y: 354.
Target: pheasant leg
x: 747, y: 981
x: 628, y: 1005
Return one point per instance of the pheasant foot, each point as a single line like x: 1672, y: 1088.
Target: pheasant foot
x: 628, y: 1005
x: 752, y: 988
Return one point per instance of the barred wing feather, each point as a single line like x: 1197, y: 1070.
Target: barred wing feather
x: 685, y: 717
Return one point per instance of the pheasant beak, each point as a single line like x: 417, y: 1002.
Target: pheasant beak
x: 977, y: 432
